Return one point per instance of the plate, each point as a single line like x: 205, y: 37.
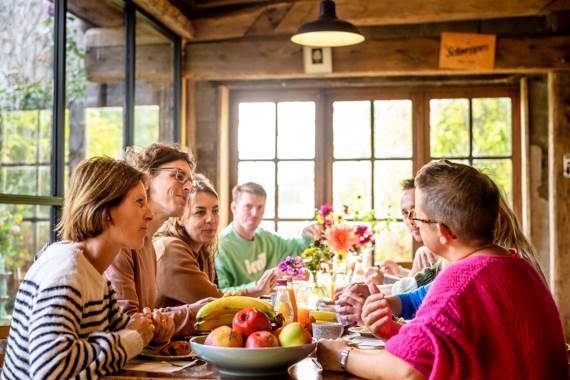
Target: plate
x: 361, y: 330
x: 154, y: 353
x: 250, y: 362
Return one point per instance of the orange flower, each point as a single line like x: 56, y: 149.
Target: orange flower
x: 341, y: 237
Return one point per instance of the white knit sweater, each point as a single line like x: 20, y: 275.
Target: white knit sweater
x: 66, y: 322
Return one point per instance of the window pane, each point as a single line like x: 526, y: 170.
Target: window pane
x: 26, y: 88
x: 154, y: 89
x: 351, y: 129
x: 291, y: 230
x: 95, y: 90
x: 296, y: 130
x: 262, y: 173
x: 352, y: 185
x: 24, y: 230
x: 102, y: 123
x: 449, y: 127
x: 500, y: 171
x: 393, y: 241
x: 268, y: 225
x: 492, y: 120
x: 256, y: 130
x: 296, y: 184
x: 393, y: 128
x: 387, y: 189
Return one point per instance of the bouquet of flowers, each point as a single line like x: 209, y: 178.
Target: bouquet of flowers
x: 292, y: 266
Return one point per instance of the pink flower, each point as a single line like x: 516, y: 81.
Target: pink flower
x: 340, y: 237
x: 15, y: 230
x: 364, y: 234
x: 325, y: 210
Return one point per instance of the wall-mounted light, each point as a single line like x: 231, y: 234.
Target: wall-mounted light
x: 328, y: 30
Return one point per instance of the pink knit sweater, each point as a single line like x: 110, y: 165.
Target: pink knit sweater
x: 485, y: 317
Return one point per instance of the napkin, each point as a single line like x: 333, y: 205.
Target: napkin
x: 366, y: 342
x: 158, y: 366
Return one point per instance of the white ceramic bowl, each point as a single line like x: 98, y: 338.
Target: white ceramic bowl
x: 251, y: 361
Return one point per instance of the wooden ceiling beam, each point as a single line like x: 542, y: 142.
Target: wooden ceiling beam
x: 230, y: 25
x: 168, y: 15
x: 281, y: 59
x: 98, y: 13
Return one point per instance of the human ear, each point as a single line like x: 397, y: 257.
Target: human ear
x: 233, y: 207
x: 444, y: 234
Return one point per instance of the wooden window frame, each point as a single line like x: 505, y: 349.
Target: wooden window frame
x: 419, y: 95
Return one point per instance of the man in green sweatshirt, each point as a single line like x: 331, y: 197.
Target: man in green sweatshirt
x: 247, y: 251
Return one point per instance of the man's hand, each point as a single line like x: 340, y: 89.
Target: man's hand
x: 377, y: 316
x: 424, y: 258
x: 198, y: 304
x: 313, y: 231
x: 267, y: 281
x: 390, y: 267
x: 374, y: 275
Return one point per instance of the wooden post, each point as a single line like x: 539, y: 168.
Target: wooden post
x: 223, y: 169
x: 559, y: 191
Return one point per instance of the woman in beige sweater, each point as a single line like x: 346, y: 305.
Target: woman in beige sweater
x: 185, y: 250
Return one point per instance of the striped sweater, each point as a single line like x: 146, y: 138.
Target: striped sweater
x: 66, y: 321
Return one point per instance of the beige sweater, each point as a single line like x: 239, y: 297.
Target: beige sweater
x: 183, y: 276
x: 133, y: 276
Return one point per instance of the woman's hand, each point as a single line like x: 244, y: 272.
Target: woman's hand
x: 163, y: 325
x: 377, y: 316
x: 196, y: 306
x: 328, y: 353
x: 142, y: 324
x: 349, y: 303
x: 424, y: 258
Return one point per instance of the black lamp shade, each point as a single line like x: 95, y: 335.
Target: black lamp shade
x: 328, y: 30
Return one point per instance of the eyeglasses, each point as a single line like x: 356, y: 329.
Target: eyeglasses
x: 417, y: 222
x: 180, y: 176
x: 406, y: 213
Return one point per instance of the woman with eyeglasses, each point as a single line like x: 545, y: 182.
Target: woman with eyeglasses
x: 133, y: 273
x: 66, y: 322
x: 489, y: 315
x: 186, y: 247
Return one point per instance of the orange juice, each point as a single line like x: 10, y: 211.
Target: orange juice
x: 293, y: 301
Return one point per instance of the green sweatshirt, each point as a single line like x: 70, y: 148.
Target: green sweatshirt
x: 240, y: 262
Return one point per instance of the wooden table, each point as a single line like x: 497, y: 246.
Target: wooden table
x: 306, y: 369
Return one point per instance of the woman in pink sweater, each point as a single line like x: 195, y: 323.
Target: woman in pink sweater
x: 488, y: 316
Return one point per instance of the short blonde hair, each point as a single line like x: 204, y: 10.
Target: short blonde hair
x: 248, y: 187
x: 97, y: 185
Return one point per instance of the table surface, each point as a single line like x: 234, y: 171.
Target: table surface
x: 306, y: 369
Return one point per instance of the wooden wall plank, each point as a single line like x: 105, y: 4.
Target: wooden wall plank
x: 412, y: 56
x: 559, y: 191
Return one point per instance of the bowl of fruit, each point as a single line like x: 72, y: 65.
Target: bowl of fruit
x: 252, y: 344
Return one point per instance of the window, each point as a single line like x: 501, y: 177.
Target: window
x: 276, y: 148
x: 366, y: 143
x: 98, y: 110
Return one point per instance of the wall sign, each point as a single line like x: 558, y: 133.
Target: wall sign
x: 467, y: 51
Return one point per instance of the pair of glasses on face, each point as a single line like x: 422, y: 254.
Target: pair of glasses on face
x: 181, y: 177
x: 417, y: 222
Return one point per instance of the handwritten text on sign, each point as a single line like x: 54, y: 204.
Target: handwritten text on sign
x: 467, y: 51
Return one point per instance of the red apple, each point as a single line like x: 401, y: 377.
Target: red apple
x: 224, y: 336
x: 261, y: 339
x: 250, y: 320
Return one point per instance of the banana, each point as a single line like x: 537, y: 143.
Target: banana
x: 233, y: 304
x: 328, y: 316
x: 210, y: 324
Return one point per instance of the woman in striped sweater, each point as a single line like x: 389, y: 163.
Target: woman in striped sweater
x: 66, y: 320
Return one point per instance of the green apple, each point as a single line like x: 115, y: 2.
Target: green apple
x: 294, y: 334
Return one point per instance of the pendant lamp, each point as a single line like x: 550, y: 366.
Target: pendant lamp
x: 328, y: 30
